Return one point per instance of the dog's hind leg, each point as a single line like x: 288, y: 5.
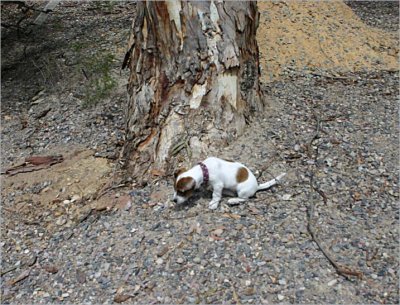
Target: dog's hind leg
x: 243, y: 195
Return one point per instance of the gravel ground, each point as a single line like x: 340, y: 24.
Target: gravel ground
x: 337, y: 138
x: 45, y: 75
x: 380, y: 14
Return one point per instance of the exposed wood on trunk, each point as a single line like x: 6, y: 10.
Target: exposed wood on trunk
x: 194, y: 80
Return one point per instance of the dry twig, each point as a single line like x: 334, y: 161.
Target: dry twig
x: 342, y: 270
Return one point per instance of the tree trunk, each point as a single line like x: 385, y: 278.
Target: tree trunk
x: 194, y: 80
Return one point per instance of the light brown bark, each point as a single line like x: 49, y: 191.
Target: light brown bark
x: 194, y: 80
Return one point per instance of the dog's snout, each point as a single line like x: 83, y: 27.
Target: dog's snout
x: 175, y: 200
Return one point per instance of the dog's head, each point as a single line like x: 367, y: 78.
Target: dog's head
x: 183, y: 186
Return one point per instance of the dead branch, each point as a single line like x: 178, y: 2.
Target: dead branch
x: 341, y: 270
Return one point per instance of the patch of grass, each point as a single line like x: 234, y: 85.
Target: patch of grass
x: 78, y: 46
x: 100, y: 81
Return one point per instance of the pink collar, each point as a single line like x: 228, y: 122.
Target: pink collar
x: 206, y: 175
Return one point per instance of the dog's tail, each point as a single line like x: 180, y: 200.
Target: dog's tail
x: 270, y: 183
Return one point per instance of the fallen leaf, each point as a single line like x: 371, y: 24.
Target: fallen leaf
x: 120, y: 290
x: 218, y: 231
x: 119, y: 298
x: 50, y: 268
x: 254, y: 211
x: 104, y: 203
x: 195, y: 228
x: 48, y: 160
x: 249, y: 291
x: 34, y: 163
x: 157, y: 196
x: 163, y: 251
x: 356, y: 196
x: 42, y: 113
x: 124, y: 203
x: 214, y: 237
x: 230, y: 215
x: 32, y: 261
x: 157, y: 172
x: 19, y: 278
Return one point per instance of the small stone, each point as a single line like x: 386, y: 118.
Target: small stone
x: 282, y: 282
x: 80, y: 277
x: 106, y: 267
x: 61, y: 221
x: 280, y: 297
x: 180, y: 260
x: 374, y: 276
x: 333, y: 282
x: 335, y: 249
x: 75, y: 198
x: 159, y: 261
x: 286, y: 197
x: 197, y: 260
x: 50, y: 268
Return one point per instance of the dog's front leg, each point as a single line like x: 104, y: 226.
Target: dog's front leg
x: 216, y: 196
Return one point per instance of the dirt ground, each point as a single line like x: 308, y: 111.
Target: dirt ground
x: 330, y: 76
x: 321, y: 38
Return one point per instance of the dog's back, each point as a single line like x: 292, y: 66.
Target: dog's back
x: 230, y: 173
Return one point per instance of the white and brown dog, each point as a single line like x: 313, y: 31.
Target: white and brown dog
x: 221, y: 175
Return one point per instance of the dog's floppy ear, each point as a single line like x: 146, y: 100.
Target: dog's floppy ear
x: 179, y: 171
x: 185, y: 184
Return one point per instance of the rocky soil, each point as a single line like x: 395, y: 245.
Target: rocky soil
x: 64, y: 240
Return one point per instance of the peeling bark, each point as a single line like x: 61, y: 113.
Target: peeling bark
x: 194, y: 80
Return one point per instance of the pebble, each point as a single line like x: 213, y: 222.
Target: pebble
x: 180, y: 260
x: 61, y: 221
x: 280, y: 297
x: 333, y: 282
x: 159, y: 261
x: 197, y: 260
x: 75, y: 198
x: 282, y: 282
